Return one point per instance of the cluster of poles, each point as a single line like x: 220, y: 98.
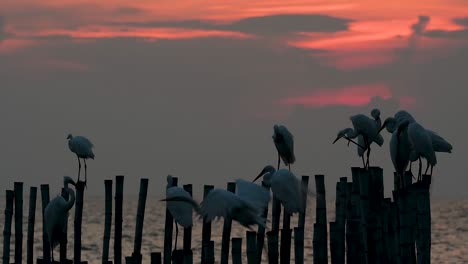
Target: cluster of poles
x: 368, y: 228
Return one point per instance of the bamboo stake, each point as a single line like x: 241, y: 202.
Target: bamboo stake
x: 188, y: 254
x: 31, y: 220
x: 107, y: 221
x: 10, y: 195
x: 206, y: 229
x: 45, y: 240
x: 18, y: 187
x: 136, y: 255
x: 118, y: 219
x: 226, y: 237
x: 168, y: 227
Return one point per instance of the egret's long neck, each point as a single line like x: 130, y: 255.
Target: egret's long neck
x: 71, y: 199
x: 351, y: 133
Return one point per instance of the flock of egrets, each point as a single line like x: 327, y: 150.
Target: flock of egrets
x: 409, y: 142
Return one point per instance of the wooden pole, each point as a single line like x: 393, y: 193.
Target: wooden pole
x: 64, y: 242
x: 299, y: 245
x: 156, y: 258
x: 226, y: 237
x: 18, y: 187
x: 340, y: 219
x: 45, y: 240
x: 424, y: 220
x: 273, y: 254
x: 386, y: 227
x: 261, y: 231
x: 209, y: 253
x: 236, y: 250
x: 251, y: 247
x: 206, y: 229
x: 136, y: 255
x: 168, y: 228
x: 285, y: 248
x: 320, y: 227
x: 364, y: 186
x: 31, y: 219
x: 107, y: 221
x: 353, y: 222
x: 188, y: 254
x: 10, y: 195
x: 376, y: 201
x: 80, y: 186
x: 118, y: 219
x: 178, y: 256
x: 334, y: 242
x: 275, y: 222
x: 405, y: 235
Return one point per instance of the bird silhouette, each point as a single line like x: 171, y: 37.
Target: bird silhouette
x: 56, y: 216
x: 284, y: 143
x: 83, y: 148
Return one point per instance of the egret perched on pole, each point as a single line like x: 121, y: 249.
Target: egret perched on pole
x: 367, y: 128
x: 421, y: 143
x: 285, y: 186
x: 375, y: 113
x: 83, y: 148
x: 56, y: 216
x: 245, y: 206
x: 284, y: 143
x: 181, y: 211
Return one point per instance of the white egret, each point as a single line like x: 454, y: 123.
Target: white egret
x: 285, y: 186
x: 181, y: 211
x: 245, y: 206
x: 284, y: 143
x: 375, y: 113
x: 56, y: 216
x: 83, y: 148
x: 365, y: 127
x: 421, y: 144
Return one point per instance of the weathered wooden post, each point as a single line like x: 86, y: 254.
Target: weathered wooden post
x: 45, y: 240
x: 364, y: 186
x: 273, y: 253
x: 209, y: 253
x: 7, y: 227
x: 340, y: 220
x: 118, y: 219
x: 107, y: 221
x: 334, y: 242
x: 275, y: 222
x: 251, y: 247
x: 236, y: 250
x: 31, y: 219
x: 353, y: 223
x: 136, y: 255
x: 406, y: 240
x: 156, y: 258
x: 80, y: 186
x: 18, y: 187
x: 168, y: 228
x: 376, y: 201
x: 386, y: 229
x: 285, y: 248
x: 299, y: 231
x: 188, y: 254
x: 226, y: 237
x: 206, y: 229
x: 320, y: 227
x: 424, y: 220
x: 64, y: 242
x: 299, y: 245
x: 261, y: 231
x: 178, y: 256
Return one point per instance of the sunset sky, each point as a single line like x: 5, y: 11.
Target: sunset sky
x: 193, y: 88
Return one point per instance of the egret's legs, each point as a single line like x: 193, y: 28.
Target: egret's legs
x: 420, y: 168
x: 432, y: 167
x: 177, y: 235
x: 85, y: 171
x: 363, y: 161
x: 427, y: 168
x: 289, y: 166
x: 279, y: 160
x: 79, y: 167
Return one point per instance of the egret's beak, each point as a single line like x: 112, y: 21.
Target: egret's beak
x: 73, y: 183
x: 259, y: 175
x: 337, y: 138
x: 383, y: 126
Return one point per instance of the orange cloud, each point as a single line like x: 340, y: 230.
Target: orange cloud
x: 349, y: 96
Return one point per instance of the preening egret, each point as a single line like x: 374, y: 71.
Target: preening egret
x: 284, y: 143
x: 285, y: 186
x: 56, y: 216
x: 245, y: 206
x: 365, y: 127
x: 421, y: 143
x: 375, y: 113
x: 83, y: 148
x: 181, y: 211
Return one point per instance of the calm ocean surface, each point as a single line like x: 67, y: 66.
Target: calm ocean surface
x: 449, y: 230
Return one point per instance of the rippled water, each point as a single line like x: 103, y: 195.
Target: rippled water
x: 449, y: 230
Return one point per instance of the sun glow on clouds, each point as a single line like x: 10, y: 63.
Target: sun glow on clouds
x: 358, y: 95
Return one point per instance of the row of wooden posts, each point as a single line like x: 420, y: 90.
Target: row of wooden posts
x: 368, y: 228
